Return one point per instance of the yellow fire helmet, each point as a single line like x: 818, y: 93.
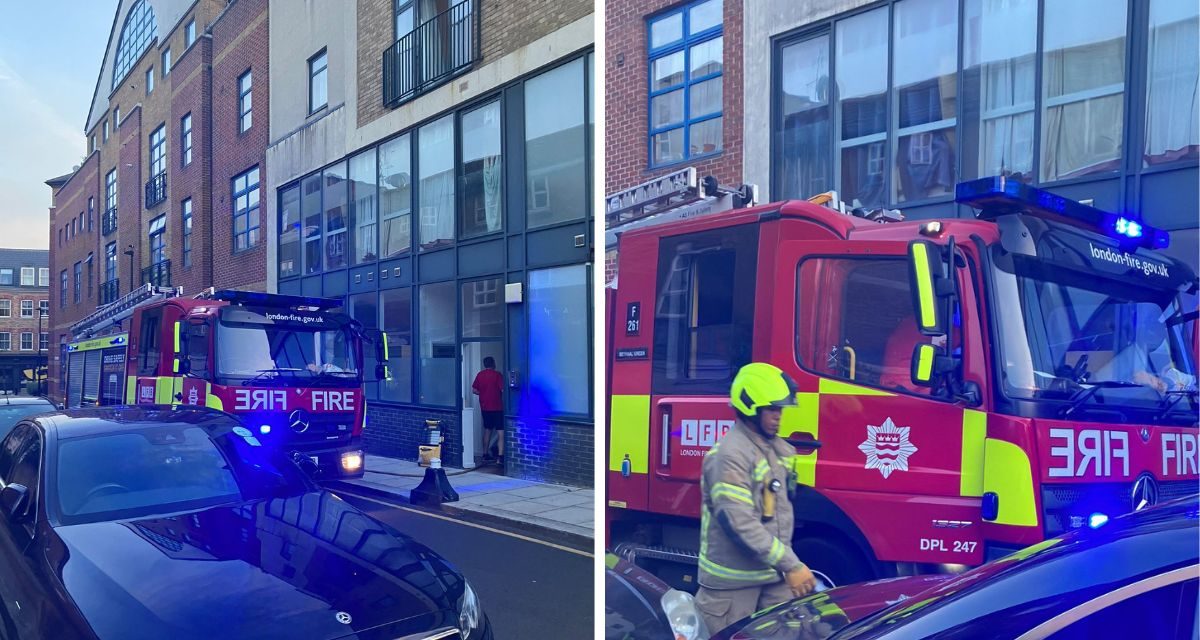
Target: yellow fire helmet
x: 759, y: 385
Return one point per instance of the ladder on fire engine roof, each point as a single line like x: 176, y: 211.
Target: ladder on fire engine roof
x: 122, y: 308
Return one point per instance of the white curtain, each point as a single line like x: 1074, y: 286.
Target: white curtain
x: 1173, y: 74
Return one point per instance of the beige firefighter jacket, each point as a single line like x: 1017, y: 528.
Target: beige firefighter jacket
x: 739, y: 546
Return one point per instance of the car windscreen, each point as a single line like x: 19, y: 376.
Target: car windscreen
x: 268, y: 346
x: 164, y: 469
x: 11, y: 414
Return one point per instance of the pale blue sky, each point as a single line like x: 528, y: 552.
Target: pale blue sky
x: 50, y: 53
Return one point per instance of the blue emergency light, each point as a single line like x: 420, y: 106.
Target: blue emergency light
x: 275, y: 299
x: 1000, y: 195
x: 1097, y: 520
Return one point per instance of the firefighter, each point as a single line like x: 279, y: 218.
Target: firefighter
x: 746, y: 557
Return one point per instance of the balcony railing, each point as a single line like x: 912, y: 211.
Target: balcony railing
x: 109, y: 290
x: 108, y: 221
x: 158, y: 274
x: 156, y: 189
x: 431, y: 54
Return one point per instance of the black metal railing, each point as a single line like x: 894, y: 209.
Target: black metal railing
x: 108, y: 221
x: 109, y: 290
x: 156, y: 189
x: 158, y: 274
x: 431, y: 54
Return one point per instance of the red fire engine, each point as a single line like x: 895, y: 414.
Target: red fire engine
x: 289, y: 367
x: 967, y: 386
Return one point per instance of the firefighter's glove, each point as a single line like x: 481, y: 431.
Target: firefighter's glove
x: 801, y: 581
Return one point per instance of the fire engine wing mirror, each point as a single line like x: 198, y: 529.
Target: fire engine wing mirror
x: 927, y: 285
x: 380, y: 341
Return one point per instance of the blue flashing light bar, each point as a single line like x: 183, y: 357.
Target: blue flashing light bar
x: 1097, y: 520
x: 275, y: 299
x: 999, y: 195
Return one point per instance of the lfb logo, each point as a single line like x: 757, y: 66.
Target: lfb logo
x: 703, y: 433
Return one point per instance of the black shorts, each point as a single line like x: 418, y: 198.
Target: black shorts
x: 493, y: 420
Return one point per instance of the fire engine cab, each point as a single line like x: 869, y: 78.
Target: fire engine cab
x: 967, y: 387
x: 289, y: 368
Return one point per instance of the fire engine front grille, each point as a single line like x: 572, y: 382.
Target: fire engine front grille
x: 1067, y: 507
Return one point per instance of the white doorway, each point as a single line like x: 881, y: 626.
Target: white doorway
x: 473, y: 354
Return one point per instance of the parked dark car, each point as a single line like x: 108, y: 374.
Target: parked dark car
x: 639, y: 606
x: 170, y: 522
x: 13, y: 408
x: 1132, y: 577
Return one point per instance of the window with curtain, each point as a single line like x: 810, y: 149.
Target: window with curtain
x: 435, y: 152
x: 1083, y: 87
x: 1173, y: 82
x: 559, y: 354
x: 364, y: 211
x: 804, y: 139
x: 862, y: 69
x: 925, y: 94
x: 999, y: 65
x: 482, y: 177
x: 439, y: 347
x: 395, y: 196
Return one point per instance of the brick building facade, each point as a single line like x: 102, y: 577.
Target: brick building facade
x: 169, y: 132
x: 449, y: 204
x: 24, y: 293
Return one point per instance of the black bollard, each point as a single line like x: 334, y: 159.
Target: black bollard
x: 434, y: 488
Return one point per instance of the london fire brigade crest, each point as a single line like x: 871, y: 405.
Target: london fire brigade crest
x: 887, y: 448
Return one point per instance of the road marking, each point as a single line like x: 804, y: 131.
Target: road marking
x: 469, y: 524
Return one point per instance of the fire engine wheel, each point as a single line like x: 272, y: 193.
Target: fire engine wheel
x: 832, y: 561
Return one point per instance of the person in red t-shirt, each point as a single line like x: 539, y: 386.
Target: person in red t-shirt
x: 489, y: 385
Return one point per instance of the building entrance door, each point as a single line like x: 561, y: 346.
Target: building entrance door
x: 473, y: 354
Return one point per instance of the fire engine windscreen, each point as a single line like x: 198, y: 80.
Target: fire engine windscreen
x: 1076, y: 328
x: 281, y: 345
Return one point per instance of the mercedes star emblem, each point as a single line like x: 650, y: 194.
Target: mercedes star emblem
x: 1144, y: 493
x: 343, y: 617
x: 298, y: 421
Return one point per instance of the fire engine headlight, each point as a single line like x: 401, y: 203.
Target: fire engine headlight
x: 265, y: 429
x: 683, y: 616
x: 352, y: 461
x: 469, y: 611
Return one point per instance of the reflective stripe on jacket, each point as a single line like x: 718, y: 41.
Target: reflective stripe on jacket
x: 738, y: 546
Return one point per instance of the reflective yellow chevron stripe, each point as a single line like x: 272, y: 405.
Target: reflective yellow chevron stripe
x: 974, y: 432
x: 1008, y: 473
x: 803, y: 417
x: 736, y: 574
x: 776, y: 554
x: 760, y: 470
x: 733, y: 492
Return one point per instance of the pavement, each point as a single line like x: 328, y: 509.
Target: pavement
x: 550, y: 512
x: 527, y: 588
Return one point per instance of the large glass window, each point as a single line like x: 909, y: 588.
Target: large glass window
x: 559, y: 339
x: 805, y: 168
x: 289, y: 231
x: 435, y: 153
x: 310, y: 209
x: 439, y: 356
x: 363, y: 209
x: 245, y: 210
x: 924, y: 75
x: 686, y: 64
x: 862, y: 64
x: 337, y: 241
x: 395, y: 307
x: 395, y: 196
x: 555, y: 157
x: 364, y: 308
x: 482, y: 175
x: 1083, y: 87
x: 1173, y: 82
x: 137, y: 32
x: 158, y: 151
x: 999, y: 87
x: 483, y: 309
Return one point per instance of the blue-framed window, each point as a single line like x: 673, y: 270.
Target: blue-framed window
x: 686, y: 66
x: 245, y: 210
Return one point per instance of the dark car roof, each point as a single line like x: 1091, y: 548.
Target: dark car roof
x: 76, y: 423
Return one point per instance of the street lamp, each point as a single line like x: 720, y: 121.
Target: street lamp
x: 37, y: 369
x: 129, y: 252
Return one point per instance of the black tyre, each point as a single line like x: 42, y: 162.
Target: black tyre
x: 835, y: 562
